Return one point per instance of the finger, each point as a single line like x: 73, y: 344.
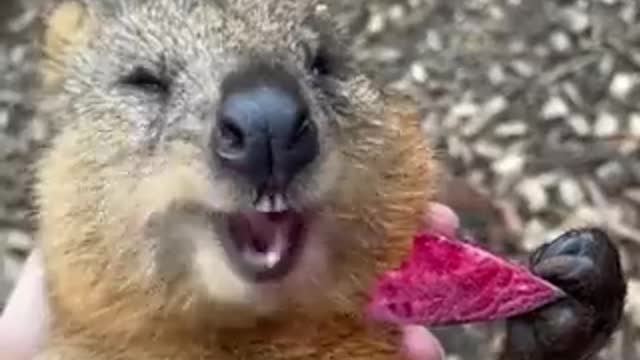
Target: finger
x: 23, y: 322
x: 441, y: 218
x: 420, y: 344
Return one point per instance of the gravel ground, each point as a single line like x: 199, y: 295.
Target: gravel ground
x: 534, y: 105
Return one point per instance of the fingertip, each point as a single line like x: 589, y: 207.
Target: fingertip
x: 420, y: 344
x: 442, y: 219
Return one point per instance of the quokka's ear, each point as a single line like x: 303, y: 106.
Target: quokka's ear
x: 66, y: 26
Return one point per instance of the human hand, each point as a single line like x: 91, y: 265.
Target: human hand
x: 418, y: 342
x: 23, y: 324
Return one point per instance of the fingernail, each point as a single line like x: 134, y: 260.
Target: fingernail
x: 442, y: 219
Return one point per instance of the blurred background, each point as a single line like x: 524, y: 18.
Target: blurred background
x: 534, y: 105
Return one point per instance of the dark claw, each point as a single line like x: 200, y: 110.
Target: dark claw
x: 575, y: 275
x: 586, y: 265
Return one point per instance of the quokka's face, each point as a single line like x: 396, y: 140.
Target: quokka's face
x: 232, y: 138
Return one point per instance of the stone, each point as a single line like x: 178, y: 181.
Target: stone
x: 560, y: 42
x: 555, y: 108
x: 523, y: 68
x: 510, y: 164
x: 570, y: 192
x: 629, y: 12
x: 582, y: 216
x: 534, y: 194
x: 575, y: 20
x: 377, y: 24
x: 4, y: 119
x: 397, y: 13
x: 534, y: 235
x: 18, y: 241
x: 579, y: 125
x: 465, y: 109
x: 434, y: 40
x: 487, y: 149
x: 10, y: 96
x: 606, y: 125
x: 572, y: 92
x: 511, y: 129
x: 623, y: 84
x: 495, y: 106
x: 634, y: 125
x: 612, y: 176
x: 549, y: 179
x: 496, y: 75
x: 419, y: 73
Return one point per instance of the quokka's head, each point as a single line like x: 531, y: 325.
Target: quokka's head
x: 229, y: 151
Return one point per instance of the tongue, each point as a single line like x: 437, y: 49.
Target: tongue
x: 260, y: 245
x: 264, y: 232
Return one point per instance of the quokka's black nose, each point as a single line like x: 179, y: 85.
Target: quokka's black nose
x: 264, y: 128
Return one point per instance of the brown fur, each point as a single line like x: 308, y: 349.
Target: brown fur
x: 133, y: 210
x: 135, y: 327
x: 107, y: 309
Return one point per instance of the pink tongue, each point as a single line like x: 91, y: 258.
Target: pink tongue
x: 263, y: 232
x: 448, y: 282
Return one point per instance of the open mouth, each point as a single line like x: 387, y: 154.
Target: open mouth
x: 264, y: 245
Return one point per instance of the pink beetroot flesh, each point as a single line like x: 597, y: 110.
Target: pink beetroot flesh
x: 448, y: 282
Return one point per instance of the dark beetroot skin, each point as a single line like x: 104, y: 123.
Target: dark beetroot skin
x: 448, y: 282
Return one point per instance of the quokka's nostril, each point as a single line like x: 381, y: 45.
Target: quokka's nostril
x: 266, y: 131
x: 303, y: 127
x: 231, y: 136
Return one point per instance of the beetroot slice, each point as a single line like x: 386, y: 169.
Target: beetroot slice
x: 448, y: 282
